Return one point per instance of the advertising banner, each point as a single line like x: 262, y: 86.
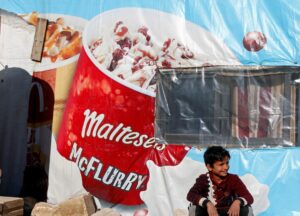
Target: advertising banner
x: 92, y: 99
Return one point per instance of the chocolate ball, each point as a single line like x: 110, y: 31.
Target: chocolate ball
x: 254, y: 41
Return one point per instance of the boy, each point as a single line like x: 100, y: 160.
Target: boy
x: 219, y: 193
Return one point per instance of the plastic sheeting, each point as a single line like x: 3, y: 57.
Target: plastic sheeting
x: 97, y: 106
x: 230, y: 106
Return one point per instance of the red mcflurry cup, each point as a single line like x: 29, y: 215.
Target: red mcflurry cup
x: 108, y: 127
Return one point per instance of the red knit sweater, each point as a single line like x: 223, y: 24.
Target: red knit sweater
x: 221, y: 195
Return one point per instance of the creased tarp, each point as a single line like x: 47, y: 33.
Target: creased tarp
x: 219, y: 32
x: 229, y: 21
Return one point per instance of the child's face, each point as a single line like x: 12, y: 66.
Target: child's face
x: 219, y: 168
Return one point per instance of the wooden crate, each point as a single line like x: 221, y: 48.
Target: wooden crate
x: 11, y: 206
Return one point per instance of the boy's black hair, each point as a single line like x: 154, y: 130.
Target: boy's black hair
x: 215, y: 153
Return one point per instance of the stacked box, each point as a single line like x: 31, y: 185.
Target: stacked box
x: 11, y: 206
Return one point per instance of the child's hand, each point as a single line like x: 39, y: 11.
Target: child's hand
x: 234, y: 209
x: 211, y: 209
